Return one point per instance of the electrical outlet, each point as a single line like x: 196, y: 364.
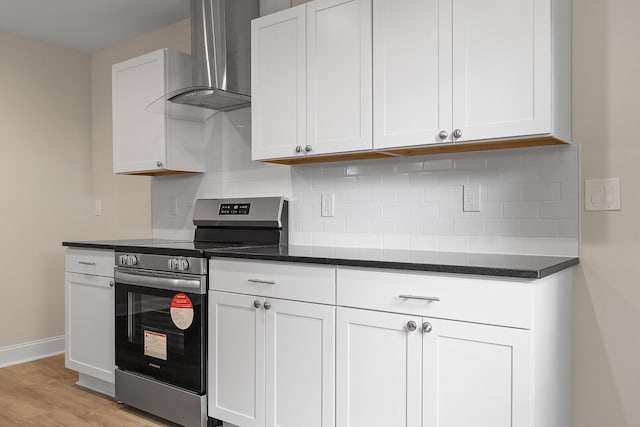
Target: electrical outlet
x: 471, y: 198
x: 173, y: 206
x: 327, y: 204
x: 97, y: 207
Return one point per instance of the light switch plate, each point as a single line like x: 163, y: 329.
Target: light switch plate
x: 602, y: 194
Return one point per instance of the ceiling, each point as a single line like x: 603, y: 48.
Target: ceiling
x: 88, y: 25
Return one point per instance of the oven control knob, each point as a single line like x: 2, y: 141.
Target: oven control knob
x: 183, y: 264
x: 133, y: 260
x: 173, y: 264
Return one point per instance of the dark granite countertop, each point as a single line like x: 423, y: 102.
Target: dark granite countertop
x: 519, y: 266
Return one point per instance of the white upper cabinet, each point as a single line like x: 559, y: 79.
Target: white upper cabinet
x: 278, y: 83
x: 411, y: 73
x: 311, y: 80
x: 449, y: 72
x: 386, y: 77
x: 339, y: 76
x: 150, y: 135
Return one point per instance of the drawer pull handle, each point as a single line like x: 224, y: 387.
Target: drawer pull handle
x: 86, y: 263
x: 266, y: 282
x: 431, y: 299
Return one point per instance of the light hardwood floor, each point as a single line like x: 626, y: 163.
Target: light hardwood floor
x: 43, y: 393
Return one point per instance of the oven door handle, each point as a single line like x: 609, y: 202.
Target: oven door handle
x: 196, y: 285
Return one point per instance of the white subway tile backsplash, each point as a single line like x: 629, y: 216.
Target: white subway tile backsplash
x: 453, y: 244
x: 559, y: 210
x: 438, y: 227
x: 504, y: 192
x: 407, y: 166
x: 395, y: 241
x: 526, y: 210
x: 357, y: 225
x: 502, y: 227
x: 541, y: 191
x: 438, y: 164
x: 439, y: 194
x: 334, y: 225
x: 470, y: 162
x: 412, y: 195
x: 423, y: 243
x: 529, y: 197
x: 423, y: 179
x: 538, y: 228
x: 395, y: 212
x: 424, y: 210
x: 411, y: 226
x: 468, y: 227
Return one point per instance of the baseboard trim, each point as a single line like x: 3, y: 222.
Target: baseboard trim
x: 28, y: 351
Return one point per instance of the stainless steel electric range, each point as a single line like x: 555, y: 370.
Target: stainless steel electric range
x: 161, y: 306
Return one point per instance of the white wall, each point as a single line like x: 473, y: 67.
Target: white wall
x: 606, y: 108
x: 529, y: 197
x: 45, y: 181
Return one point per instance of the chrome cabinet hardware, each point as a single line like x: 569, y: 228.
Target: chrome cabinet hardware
x: 443, y: 135
x: 159, y: 164
x: 111, y: 283
x: 267, y: 305
x: 418, y: 297
x: 308, y: 148
x: 457, y: 133
x: 257, y: 304
x: 298, y: 149
x: 86, y: 263
x: 266, y: 282
x: 411, y: 325
x: 426, y: 327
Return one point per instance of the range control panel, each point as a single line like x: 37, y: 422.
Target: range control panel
x: 234, y: 208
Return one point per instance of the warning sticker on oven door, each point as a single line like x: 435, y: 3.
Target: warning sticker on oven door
x: 181, y: 311
x: 155, y: 345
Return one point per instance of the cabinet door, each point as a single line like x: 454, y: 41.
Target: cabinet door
x: 89, y: 325
x: 236, y: 360
x: 139, y: 135
x: 339, y: 99
x: 278, y: 82
x: 411, y: 72
x: 378, y: 369
x: 501, y: 68
x: 300, y: 371
x: 475, y: 375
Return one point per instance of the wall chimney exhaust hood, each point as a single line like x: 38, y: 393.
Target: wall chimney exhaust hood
x: 220, y: 55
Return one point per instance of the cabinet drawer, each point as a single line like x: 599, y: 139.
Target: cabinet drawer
x: 301, y: 282
x: 474, y: 299
x: 97, y: 262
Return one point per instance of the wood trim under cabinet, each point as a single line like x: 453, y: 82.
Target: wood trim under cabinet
x: 423, y: 150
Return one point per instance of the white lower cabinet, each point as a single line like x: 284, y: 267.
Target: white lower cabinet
x: 271, y: 360
x: 411, y: 349
x: 90, y: 318
x: 429, y: 372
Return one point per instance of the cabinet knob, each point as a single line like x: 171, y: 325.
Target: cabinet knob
x: 298, y: 149
x: 308, y: 148
x: 411, y: 325
x: 159, y: 164
x: 111, y: 283
x: 257, y: 304
x: 267, y: 305
x: 457, y: 133
x: 443, y: 135
x: 426, y: 327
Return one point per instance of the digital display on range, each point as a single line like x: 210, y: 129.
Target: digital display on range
x: 234, y: 209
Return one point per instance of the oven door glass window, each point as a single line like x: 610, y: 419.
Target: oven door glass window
x: 160, y: 334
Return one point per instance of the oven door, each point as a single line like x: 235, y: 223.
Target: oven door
x: 160, y: 327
